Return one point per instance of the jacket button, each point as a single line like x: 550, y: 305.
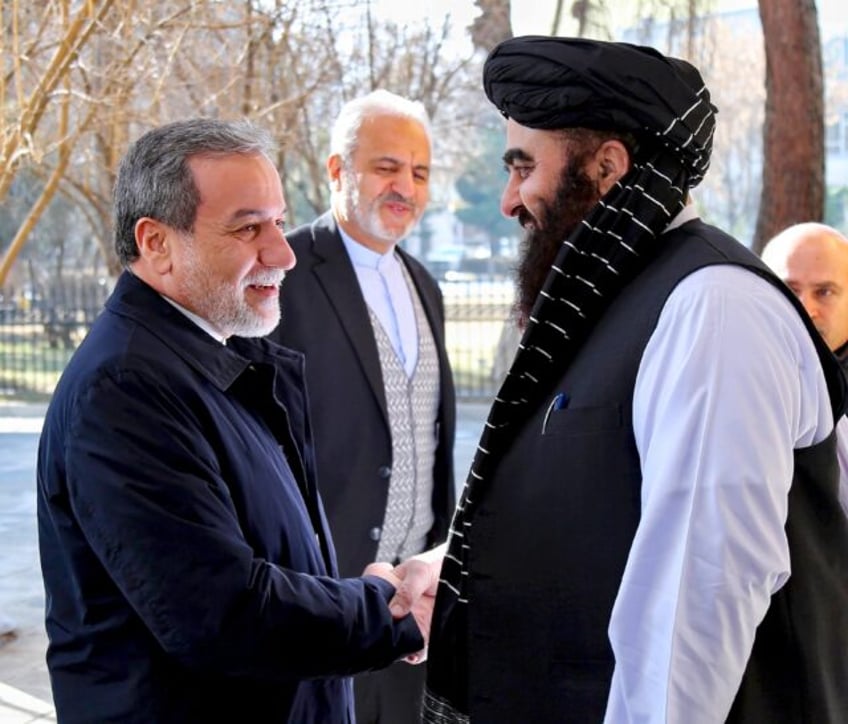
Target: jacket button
x: 375, y: 533
x: 384, y: 471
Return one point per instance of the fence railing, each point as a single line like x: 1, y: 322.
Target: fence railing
x: 41, y: 327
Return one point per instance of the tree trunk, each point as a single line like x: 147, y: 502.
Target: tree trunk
x: 793, y: 135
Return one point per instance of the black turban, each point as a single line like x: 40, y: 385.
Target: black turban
x: 550, y: 82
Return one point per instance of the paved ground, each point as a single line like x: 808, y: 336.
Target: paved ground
x: 24, y: 684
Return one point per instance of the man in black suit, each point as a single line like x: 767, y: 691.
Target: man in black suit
x: 370, y: 320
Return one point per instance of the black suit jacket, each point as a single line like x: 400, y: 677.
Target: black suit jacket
x: 324, y: 315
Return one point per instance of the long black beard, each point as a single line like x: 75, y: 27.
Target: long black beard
x: 575, y: 196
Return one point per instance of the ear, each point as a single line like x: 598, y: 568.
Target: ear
x: 334, y: 171
x: 610, y: 162
x: 155, y: 244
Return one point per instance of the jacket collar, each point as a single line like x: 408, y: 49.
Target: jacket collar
x: 220, y: 364
x: 842, y: 355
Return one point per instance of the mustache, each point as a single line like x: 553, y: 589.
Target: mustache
x: 524, y: 217
x: 265, y: 278
x: 395, y: 197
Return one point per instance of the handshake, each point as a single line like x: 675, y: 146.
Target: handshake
x: 415, y: 581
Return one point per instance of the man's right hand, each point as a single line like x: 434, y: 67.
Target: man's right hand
x: 415, y: 581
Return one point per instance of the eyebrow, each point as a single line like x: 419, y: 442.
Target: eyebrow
x: 516, y: 154
x: 239, y: 214
x: 399, y: 162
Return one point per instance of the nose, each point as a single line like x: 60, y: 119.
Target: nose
x: 510, y: 200
x: 404, y: 183
x: 808, y: 301
x: 276, y: 251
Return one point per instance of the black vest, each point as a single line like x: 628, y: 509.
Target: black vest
x: 554, y: 526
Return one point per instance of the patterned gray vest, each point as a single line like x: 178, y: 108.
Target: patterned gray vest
x: 412, y: 403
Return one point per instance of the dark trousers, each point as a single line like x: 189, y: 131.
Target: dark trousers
x: 390, y: 696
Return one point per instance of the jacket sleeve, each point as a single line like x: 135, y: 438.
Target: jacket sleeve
x: 145, y: 487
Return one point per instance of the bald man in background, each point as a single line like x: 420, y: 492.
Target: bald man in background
x: 812, y: 259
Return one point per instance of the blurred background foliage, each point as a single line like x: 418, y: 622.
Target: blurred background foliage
x: 83, y: 78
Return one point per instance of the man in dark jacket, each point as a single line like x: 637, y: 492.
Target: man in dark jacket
x: 189, y: 572
x: 812, y: 260
x: 370, y: 320
x: 651, y: 530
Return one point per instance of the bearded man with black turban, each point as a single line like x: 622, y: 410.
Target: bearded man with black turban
x: 651, y: 528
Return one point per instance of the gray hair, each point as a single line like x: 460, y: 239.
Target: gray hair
x: 353, y: 114
x: 154, y: 179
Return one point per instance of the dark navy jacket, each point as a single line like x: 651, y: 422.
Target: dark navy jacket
x: 188, y: 569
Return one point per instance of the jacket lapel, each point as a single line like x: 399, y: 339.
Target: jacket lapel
x: 337, y: 278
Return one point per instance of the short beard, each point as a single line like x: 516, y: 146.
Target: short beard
x: 367, y: 215
x: 574, y: 198
x: 225, y: 307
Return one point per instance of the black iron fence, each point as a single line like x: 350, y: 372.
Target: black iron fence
x: 40, y: 327
x: 480, y: 337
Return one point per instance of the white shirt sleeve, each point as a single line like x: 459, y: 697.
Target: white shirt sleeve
x: 728, y: 386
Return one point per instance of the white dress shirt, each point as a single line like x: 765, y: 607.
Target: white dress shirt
x: 198, y: 320
x: 729, y: 384
x: 386, y: 293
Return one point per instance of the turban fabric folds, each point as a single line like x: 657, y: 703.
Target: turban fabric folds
x: 544, y: 82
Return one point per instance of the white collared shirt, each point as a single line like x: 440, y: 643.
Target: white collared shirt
x: 386, y: 293
x: 199, y: 321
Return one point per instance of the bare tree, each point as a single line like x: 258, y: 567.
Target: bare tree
x: 20, y: 135
x: 729, y: 195
x: 592, y: 18
x: 105, y: 71
x: 76, y: 88
x: 360, y: 54
x: 492, y: 25
x: 679, y: 22
x: 793, y: 163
